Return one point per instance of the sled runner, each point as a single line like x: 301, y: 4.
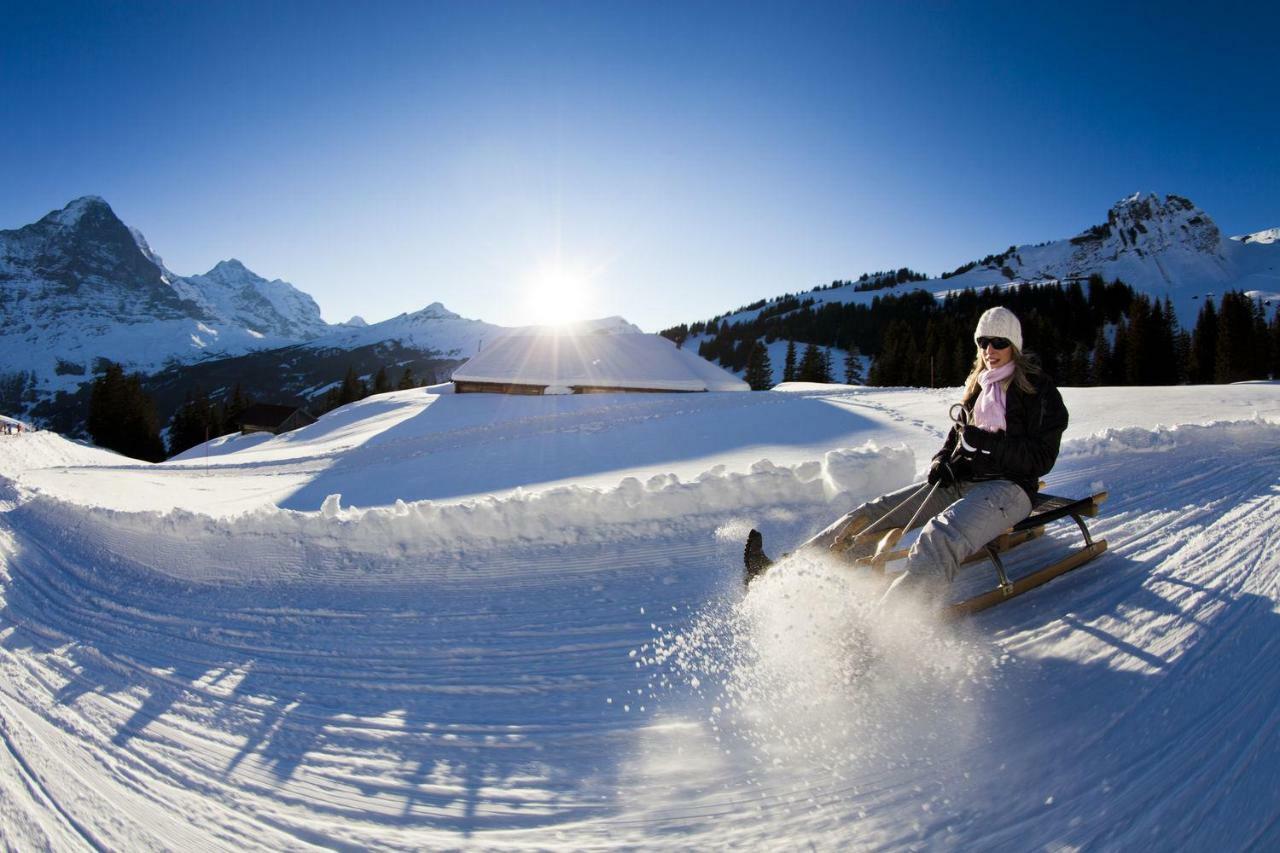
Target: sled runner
x: 1045, y: 509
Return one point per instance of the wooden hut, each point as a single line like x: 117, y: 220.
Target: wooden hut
x: 265, y: 417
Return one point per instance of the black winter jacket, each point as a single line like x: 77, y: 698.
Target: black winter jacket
x: 1028, y: 447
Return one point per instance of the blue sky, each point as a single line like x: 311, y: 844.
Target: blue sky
x: 664, y: 162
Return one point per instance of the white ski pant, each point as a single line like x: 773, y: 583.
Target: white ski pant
x: 954, y: 527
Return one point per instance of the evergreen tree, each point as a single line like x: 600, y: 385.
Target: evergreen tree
x: 381, y: 384
x: 1235, y: 358
x: 934, y: 343
x: 106, y: 406
x: 122, y: 417
x: 1140, y: 344
x: 233, y: 408
x: 1119, y: 363
x: 1204, y: 345
x: 1100, y: 360
x: 811, y: 365
x: 894, y: 363
x: 1274, y: 331
x: 759, y: 373
x: 789, y: 366
x: 1260, y: 346
x: 1182, y: 357
x: 853, y: 367
x: 1077, y: 372
x: 352, y: 388
x: 195, y: 422
x: 407, y: 379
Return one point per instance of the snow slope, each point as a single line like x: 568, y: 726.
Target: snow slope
x: 532, y: 634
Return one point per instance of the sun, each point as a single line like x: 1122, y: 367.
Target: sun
x: 557, y: 294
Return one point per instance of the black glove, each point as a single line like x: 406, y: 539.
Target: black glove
x: 975, y: 440
x: 941, y: 474
x: 948, y: 473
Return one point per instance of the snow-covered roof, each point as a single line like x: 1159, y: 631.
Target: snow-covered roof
x: 608, y: 353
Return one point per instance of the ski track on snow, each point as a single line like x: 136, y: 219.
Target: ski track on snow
x: 507, y: 696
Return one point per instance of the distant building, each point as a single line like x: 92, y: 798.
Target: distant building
x: 599, y: 357
x: 264, y: 417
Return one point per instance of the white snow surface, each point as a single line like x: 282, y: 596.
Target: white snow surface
x: 532, y: 634
x: 610, y: 354
x: 1270, y: 235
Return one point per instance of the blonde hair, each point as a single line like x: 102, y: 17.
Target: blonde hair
x: 1023, y: 369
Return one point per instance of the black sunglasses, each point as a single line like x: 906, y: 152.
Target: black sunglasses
x: 998, y: 343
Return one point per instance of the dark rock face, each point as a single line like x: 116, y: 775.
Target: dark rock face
x: 90, y: 257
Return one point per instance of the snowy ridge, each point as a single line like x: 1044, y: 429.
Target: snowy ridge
x: 238, y: 295
x: 47, y: 449
x: 1270, y: 235
x: 433, y: 329
x: 312, y: 547
x: 222, y: 550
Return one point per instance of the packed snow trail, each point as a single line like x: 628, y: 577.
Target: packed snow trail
x: 582, y: 670
x: 1132, y: 703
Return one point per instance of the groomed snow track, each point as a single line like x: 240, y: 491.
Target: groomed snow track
x: 338, y: 679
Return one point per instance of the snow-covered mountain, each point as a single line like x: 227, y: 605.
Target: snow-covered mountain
x: 1162, y: 246
x: 233, y: 291
x: 1271, y: 235
x: 79, y: 285
x: 433, y: 329
x: 430, y: 343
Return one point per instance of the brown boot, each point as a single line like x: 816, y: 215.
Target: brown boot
x: 754, y: 559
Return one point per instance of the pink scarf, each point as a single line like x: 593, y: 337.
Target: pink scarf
x: 988, y: 409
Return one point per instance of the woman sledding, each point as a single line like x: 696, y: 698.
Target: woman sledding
x: 979, y: 484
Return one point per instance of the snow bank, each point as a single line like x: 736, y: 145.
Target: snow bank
x: 425, y: 539
x: 43, y: 449
x: 1139, y: 440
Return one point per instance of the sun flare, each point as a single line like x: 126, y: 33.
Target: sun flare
x: 557, y: 295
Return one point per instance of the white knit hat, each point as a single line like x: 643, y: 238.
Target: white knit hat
x: 999, y: 323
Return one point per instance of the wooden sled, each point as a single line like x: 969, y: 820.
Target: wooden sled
x: 1045, y: 510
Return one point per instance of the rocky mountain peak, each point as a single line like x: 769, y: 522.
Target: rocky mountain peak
x: 231, y: 271
x: 85, y: 249
x: 91, y: 210
x: 435, y: 311
x: 1145, y: 223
